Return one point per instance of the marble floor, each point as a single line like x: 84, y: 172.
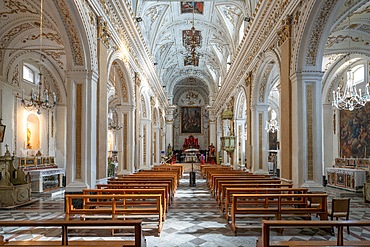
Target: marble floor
x: 194, y: 219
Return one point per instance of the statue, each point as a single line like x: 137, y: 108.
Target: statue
x: 29, y: 146
x: 169, y: 150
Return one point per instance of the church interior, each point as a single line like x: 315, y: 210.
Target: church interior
x: 185, y: 123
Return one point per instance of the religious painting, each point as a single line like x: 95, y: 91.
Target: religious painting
x: 340, y: 179
x: 192, y: 7
x: 2, y: 132
x: 273, y: 143
x: 191, y: 120
x: 355, y: 133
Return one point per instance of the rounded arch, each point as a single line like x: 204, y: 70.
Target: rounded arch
x: 267, y: 74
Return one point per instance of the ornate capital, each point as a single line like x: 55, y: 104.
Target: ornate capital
x: 285, y: 31
x: 103, y: 32
x: 248, y: 79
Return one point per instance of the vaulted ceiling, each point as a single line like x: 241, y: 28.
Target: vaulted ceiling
x: 192, y: 40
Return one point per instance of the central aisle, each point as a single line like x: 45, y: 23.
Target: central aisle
x: 194, y: 219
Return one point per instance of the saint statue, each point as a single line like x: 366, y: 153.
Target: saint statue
x: 29, y: 146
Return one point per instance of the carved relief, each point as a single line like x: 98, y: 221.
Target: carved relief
x: 16, y: 7
x: 285, y: 31
x: 317, y: 31
x: 103, y: 31
x: 72, y: 32
x: 15, y: 77
x: 264, y: 82
x: 143, y: 107
x: 123, y: 83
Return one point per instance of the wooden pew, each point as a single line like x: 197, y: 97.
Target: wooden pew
x: 222, y: 185
x: 175, y: 167
x: 65, y: 225
x: 147, y: 178
x: 161, y: 191
x: 205, y: 168
x: 116, y: 206
x: 232, y: 191
x: 267, y: 225
x: 159, y: 173
x: 276, y: 204
x: 165, y: 186
x: 143, y: 180
x: 219, y: 179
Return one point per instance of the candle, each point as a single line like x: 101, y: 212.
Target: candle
x: 54, y: 97
x: 22, y: 94
x: 46, y: 95
x: 32, y: 93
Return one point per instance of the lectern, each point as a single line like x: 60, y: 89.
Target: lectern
x: 191, y: 156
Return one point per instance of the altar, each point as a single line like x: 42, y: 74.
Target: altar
x: 346, y: 178
x: 46, y: 179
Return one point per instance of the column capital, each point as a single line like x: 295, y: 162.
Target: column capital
x: 307, y: 76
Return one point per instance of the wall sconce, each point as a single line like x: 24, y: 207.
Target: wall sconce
x: 247, y: 19
x: 139, y: 19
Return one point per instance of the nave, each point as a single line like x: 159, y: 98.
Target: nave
x: 194, y: 219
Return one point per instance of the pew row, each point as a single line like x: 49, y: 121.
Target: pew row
x: 223, y: 185
x: 65, y: 225
x: 160, y: 191
x: 230, y: 192
x: 277, y: 205
x: 128, y: 206
x: 268, y: 225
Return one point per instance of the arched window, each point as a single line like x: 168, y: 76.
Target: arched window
x: 30, y: 74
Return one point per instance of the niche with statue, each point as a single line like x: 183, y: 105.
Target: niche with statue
x: 14, y: 185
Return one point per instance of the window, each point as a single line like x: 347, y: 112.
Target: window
x: 30, y: 74
x: 358, y: 74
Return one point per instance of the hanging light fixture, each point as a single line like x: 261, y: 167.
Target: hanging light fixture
x: 350, y: 98
x: 112, y: 123
x: 272, y: 124
x: 36, y: 102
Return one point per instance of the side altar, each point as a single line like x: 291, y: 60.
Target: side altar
x: 14, y: 185
x: 43, y: 172
x: 348, y: 173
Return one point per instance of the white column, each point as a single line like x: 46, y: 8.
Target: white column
x: 169, y: 125
x: 60, y: 135
x: 259, y: 139
x: 306, y: 126
x: 330, y: 147
x: 81, y: 110
x: 212, y: 129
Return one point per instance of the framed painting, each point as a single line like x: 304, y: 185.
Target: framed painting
x: 191, y: 120
x: 192, y: 7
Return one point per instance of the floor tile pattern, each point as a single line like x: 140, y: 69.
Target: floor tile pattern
x: 194, y: 219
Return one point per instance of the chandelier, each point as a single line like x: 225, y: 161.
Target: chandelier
x: 112, y: 123
x: 191, y: 41
x: 272, y: 124
x: 350, y: 98
x: 36, y: 103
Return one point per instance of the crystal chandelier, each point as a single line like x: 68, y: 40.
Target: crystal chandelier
x: 272, y: 124
x: 112, y: 124
x: 350, y: 99
x: 36, y: 102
